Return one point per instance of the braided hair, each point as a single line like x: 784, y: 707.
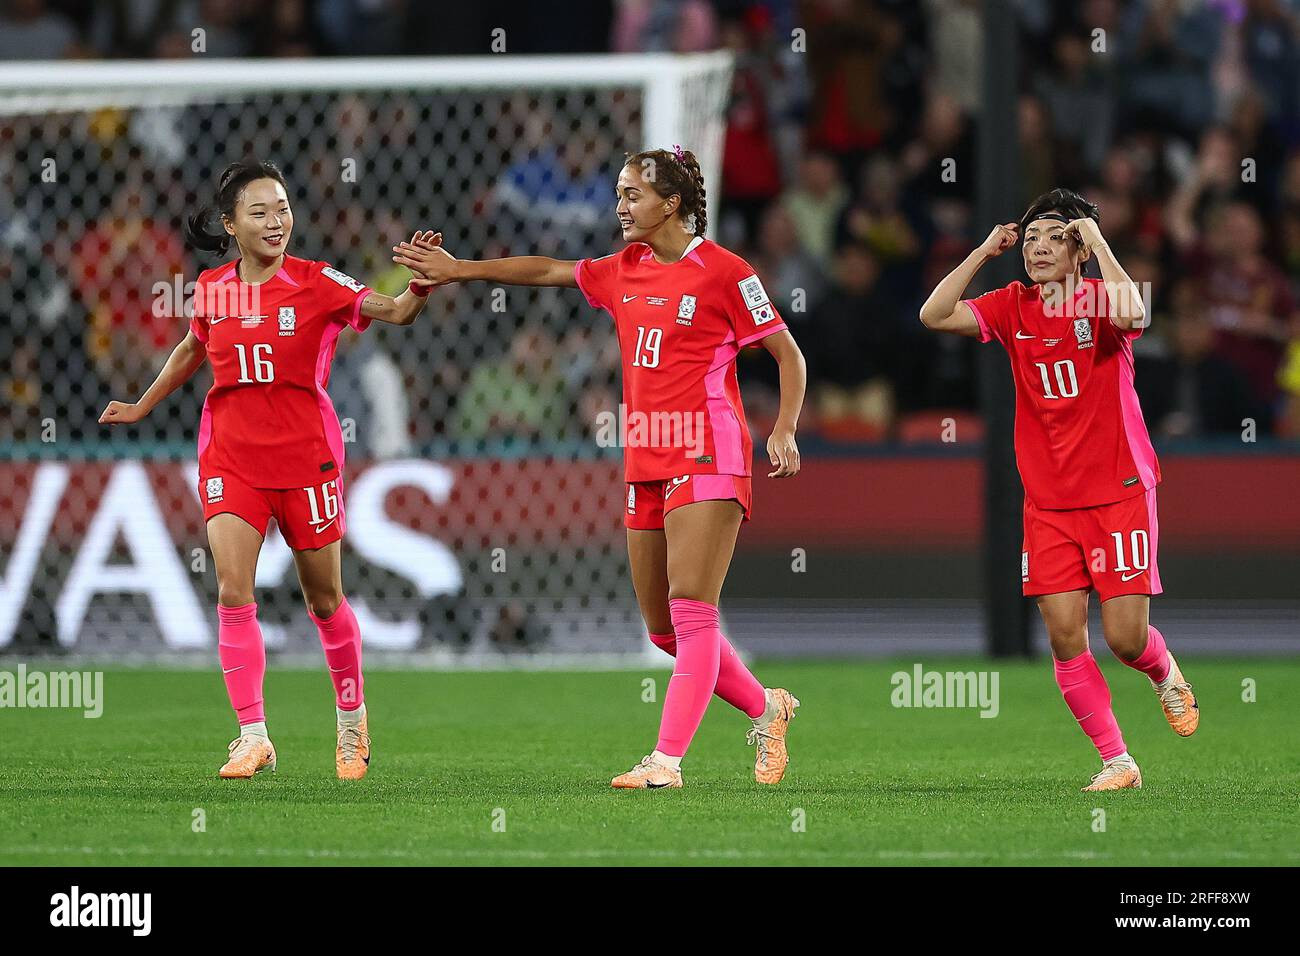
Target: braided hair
x: 676, y: 172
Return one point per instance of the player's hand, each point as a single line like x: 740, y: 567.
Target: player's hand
x: 427, y: 239
x: 424, y: 256
x: 783, y: 453
x: 122, y: 413
x: 1001, y: 239
x: 1087, y: 232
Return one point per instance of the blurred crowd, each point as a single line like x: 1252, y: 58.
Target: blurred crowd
x: 849, y: 181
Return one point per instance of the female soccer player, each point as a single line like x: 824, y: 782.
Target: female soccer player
x: 1087, y: 463
x: 683, y: 308
x: 269, y: 441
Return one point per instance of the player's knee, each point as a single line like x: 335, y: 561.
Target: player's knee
x: 1067, y: 642
x: 325, y: 603
x: 233, y: 595
x: 1127, y: 647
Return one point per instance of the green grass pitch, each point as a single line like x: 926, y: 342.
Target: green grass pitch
x: 455, y: 753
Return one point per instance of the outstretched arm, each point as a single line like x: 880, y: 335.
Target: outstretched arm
x: 403, y: 308
x: 944, y: 311
x: 181, y: 364
x: 782, y: 450
x: 438, y: 266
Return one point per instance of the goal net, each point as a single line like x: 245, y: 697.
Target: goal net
x: 484, y: 517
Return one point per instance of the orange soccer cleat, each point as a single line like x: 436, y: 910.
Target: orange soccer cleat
x: 352, y: 757
x: 649, y: 774
x: 772, y: 757
x: 249, y: 754
x: 1178, y: 701
x: 1117, y: 773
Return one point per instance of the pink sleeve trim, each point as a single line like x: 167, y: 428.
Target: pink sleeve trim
x: 359, y: 321
x: 577, y: 276
x: 777, y: 326
x: 985, y: 332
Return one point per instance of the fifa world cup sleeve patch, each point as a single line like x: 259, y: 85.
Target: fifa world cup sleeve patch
x: 752, y: 291
x: 342, y: 278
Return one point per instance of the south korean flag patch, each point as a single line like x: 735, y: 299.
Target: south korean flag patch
x: 763, y: 313
x: 342, y: 278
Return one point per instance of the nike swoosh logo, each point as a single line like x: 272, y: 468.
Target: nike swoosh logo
x: 628, y: 298
x: 1130, y: 577
x: 335, y: 670
x: 326, y: 525
x: 215, y: 321
x: 231, y: 670
x: 655, y: 786
x: 1019, y: 336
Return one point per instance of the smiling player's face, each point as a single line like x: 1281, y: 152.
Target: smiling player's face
x: 640, y: 209
x: 1049, y: 255
x: 263, y: 220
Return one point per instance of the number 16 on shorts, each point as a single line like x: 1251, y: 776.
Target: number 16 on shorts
x: 323, y: 503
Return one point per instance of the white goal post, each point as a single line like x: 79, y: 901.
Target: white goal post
x: 684, y: 96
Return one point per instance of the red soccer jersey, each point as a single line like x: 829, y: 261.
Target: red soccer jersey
x: 267, y: 418
x: 680, y: 327
x: 1080, y: 437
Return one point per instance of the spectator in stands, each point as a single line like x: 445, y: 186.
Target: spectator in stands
x: 814, y: 204
x: 853, y: 345
x: 850, y: 109
x: 664, y: 26
x: 879, y: 219
x: 1133, y: 220
x: 21, y: 392
x: 751, y: 170
x: 29, y: 30
x: 1193, y: 392
x: 933, y: 163
x: 1248, y: 301
x: 520, y: 396
x: 1081, y: 105
x: 115, y: 267
x: 791, y: 276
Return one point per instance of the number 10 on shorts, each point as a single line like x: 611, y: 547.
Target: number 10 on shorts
x: 1139, y: 550
x: 329, y: 500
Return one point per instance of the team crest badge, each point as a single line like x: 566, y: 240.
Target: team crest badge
x: 631, y: 499
x: 686, y: 308
x: 216, y: 490
x: 1083, y: 333
x: 287, y: 320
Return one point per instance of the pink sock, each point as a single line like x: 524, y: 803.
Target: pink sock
x: 736, y: 685
x: 695, y: 674
x: 243, y: 660
x: 1154, y: 659
x: 1088, y: 698
x: 340, y: 635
